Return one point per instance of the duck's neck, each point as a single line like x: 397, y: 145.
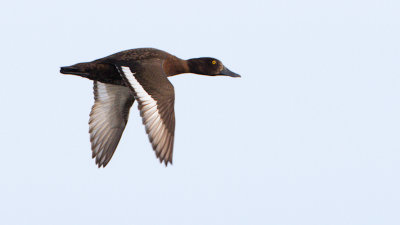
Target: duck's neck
x: 174, y: 66
x: 195, y: 65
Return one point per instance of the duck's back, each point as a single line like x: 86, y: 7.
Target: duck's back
x: 137, y: 54
x: 105, y: 71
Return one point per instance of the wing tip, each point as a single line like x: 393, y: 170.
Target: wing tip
x: 166, y: 161
x: 101, y: 164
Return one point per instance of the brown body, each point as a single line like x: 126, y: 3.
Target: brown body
x: 104, y: 70
x: 137, y: 74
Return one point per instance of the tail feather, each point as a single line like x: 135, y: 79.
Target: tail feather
x: 102, y: 72
x: 79, y: 69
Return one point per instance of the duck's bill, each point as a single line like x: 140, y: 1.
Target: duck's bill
x: 227, y: 72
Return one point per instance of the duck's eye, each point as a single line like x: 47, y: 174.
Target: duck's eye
x: 214, y: 62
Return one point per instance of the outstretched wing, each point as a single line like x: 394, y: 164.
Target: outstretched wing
x: 108, y: 119
x: 155, y: 95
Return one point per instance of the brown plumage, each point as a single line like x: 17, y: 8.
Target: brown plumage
x: 139, y: 74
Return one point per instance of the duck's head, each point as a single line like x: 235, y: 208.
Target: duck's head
x: 210, y: 67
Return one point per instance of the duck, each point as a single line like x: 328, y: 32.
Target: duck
x: 139, y: 74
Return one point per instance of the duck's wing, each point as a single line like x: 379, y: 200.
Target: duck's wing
x: 155, y: 95
x: 108, y: 119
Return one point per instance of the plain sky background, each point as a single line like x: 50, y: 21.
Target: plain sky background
x: 310, y: 135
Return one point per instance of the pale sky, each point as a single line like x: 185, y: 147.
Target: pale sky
x: 310, y: 135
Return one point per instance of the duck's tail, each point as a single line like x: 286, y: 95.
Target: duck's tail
x: 80, y: 69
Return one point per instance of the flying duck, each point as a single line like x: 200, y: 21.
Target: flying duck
x: 141, y: 75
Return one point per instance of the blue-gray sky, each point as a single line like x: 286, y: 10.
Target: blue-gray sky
x: 309, y: 135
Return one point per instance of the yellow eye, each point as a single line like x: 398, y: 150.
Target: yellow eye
x: 214, y: 62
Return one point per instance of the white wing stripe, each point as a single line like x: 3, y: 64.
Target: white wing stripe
x: 149, y: 120
x: 155, y: 126
x: 148, y: 107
